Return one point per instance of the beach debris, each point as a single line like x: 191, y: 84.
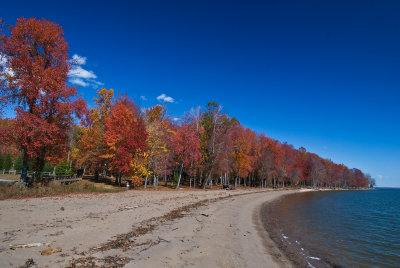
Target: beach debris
x: 107, y: 262
x: 131, y: 207
x: 62, y: 208
x: 205, y: 215
x: 28, y: 263
x: 227, y: 187
x: 32, y: 245
x: 163, y: 240
x: 57, y: 233
x: 50, y: 251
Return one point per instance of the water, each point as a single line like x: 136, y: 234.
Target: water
x: 345, y: 228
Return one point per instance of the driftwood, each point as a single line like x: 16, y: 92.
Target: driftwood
x: 50, y: 251
x: 32, y: 245
x: 8, y: 181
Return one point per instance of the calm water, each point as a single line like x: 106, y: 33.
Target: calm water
x: 347, y: 228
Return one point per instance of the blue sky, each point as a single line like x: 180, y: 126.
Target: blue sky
x: 318, y: 74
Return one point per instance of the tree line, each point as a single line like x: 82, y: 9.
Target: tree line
x: 118, y: 138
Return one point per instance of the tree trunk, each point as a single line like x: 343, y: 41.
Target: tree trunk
x: 147, y: 177
x: 118, y: 179
x: 180, y: 176
x: 154, y: 180
x: 24, y: 172
x: 205, y: 180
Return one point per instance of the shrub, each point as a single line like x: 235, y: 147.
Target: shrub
x: 7, y: 162
x: 137, y: 181
x: 64, y: 169
x: 48, y: 167
x: 176, y: 178
x: 18, y: 163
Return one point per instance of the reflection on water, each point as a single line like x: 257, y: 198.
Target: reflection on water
x: 348, y: 228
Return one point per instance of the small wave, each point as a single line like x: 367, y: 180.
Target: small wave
x: 310, y: 265
x: 314, y: 258
x: 284, y: 236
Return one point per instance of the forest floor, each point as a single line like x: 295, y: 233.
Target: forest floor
x: 208, y: 228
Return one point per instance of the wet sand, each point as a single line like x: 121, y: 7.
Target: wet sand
x: 140, y: 229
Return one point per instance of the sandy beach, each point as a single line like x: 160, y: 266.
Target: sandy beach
x: 140, y: 229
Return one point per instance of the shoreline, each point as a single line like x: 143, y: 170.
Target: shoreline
x: 289, y: 246
x: 149, y: 228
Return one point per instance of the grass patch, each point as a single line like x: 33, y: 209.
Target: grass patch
x: 54, y: 188
x: 10, y: 177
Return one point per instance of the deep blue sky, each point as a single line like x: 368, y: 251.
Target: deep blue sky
x: 320, y: 74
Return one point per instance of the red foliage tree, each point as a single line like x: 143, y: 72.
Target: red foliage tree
x: 125, y: 135
x: 36, y: 56
x: 186, y: 145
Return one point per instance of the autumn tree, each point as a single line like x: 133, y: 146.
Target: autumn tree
x: 36, y: 57
x: 215, y: 126
x: 271, y: 158
x: 242, y: 160
x: 125, y: 136
x: 91, y: 146
x: 157, y: 129
x: 186, y: 145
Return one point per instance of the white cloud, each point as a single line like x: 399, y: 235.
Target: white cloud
x: 143, y: 98
x: 79, y: 60
x: 98, y: 83
x: 3, y: 62
x: 79, y: 75
x: 176, y: 119
x: 380, y: 176
x: 165, y: 98
x: 79, y: 82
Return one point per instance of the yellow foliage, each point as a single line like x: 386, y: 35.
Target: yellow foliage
x: 139, y: 165
x: 137, y: 181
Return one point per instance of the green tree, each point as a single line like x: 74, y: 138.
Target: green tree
x: 64, y: 168
x: 18, y: 163
x: 48, y: 167
x: 7, y: 162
